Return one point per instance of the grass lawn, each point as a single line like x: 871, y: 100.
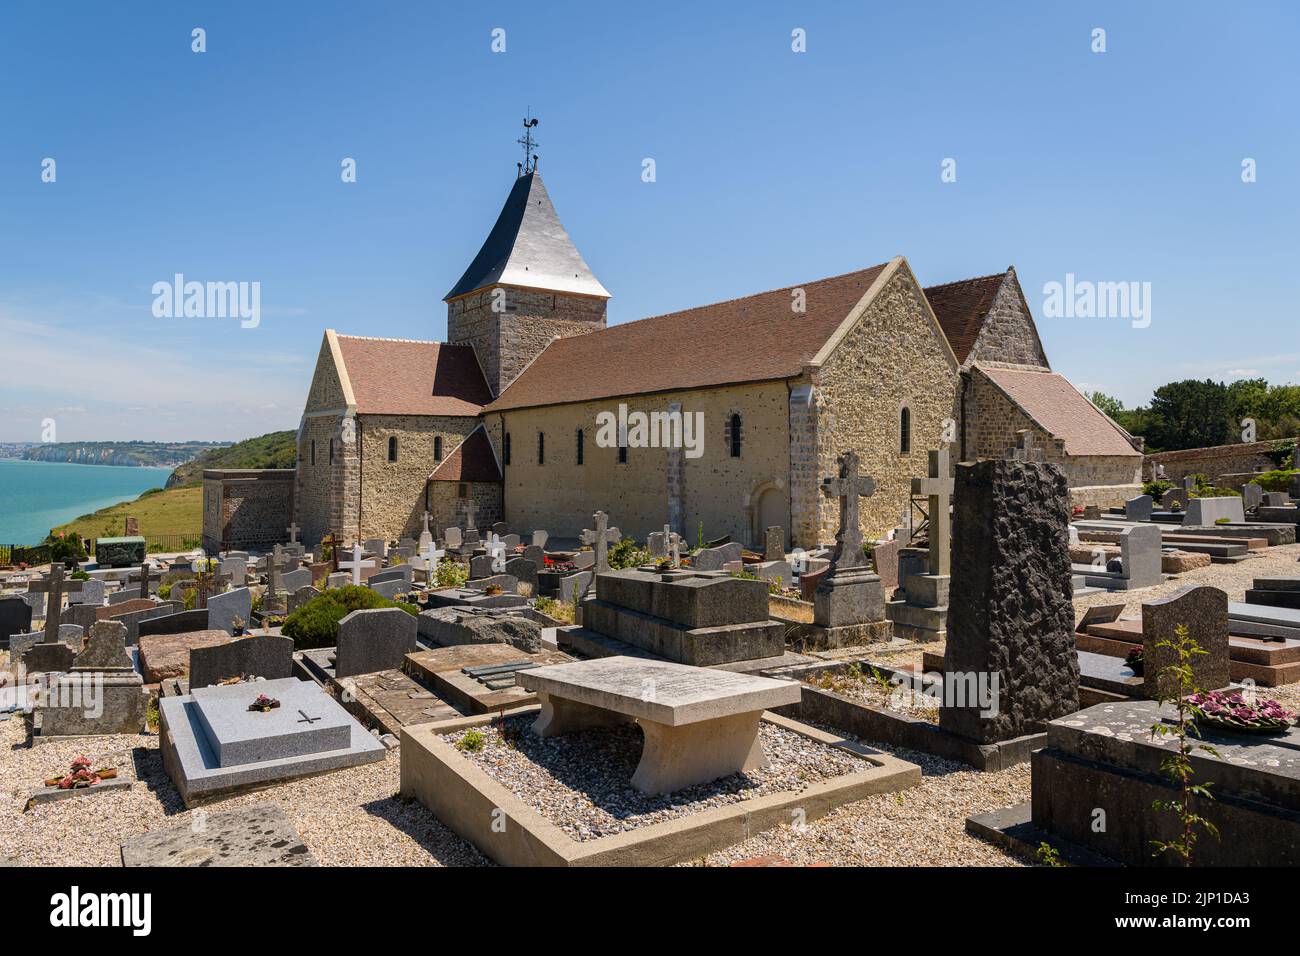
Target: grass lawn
x: 175, y: 511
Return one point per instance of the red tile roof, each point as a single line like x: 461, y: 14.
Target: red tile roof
x: 471, y: 460
x: 404, y: 377
x: 753, y: 339
x: 961, y: 308
x: 1062, y: 411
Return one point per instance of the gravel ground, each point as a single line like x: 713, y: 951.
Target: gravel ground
x: 580, y: 782
x: 859, y: 685
x: 349, y: 817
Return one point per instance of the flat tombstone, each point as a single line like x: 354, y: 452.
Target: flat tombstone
x: 1139, y: 508
x: 224, y: 608
x: 698, y: 724
x: 269, y: 656
x: 374, y: 640
x: 260, y: 835
x: 1252, y: 495
x: 1204, y: 612
x: 885, y: 557
x: 15, y: 617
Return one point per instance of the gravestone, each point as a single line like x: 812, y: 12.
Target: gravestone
x: 120, y: 552
x: 774, y: 544
x: 1140, y: 555
x: 574, y: 586
x: 540, y: 538
x: 15, y: 617
x: 656, y: 544
x: 374, y: 640
x: 301, y: 597
x: 356, y: 565
x: 1010, y: 617
x: 1275, y: 499
x: 536, y: 554
x: 338, y: 579
x: 713, y: 559
x: 482, y: 566
x: 376, y: 546
x: 45, y: 657
x: 389, y: 589
x: 269, y: 656
x: 1252, y: 495
x: 1207, y: 511
x: 884, y: 558
x: 525, y: 571
x: 214, y: 745
x: 92, y: 592
x: 1174, y: 499
x: 100, y: 694
x: 402, y: 572
x: 850, y: 593
x: 82, y: 615
x: 224, y: 608
x: 294, y: 580
x: 500, y: 528
x: 178, y: 623
x: 1139, y: 508
x: 1204, y: 612
x: 452, y: 537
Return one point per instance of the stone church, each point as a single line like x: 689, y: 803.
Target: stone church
x: 506, y: 412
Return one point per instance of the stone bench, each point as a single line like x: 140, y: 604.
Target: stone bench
x: 698, y: 724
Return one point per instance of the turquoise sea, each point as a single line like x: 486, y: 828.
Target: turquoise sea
x: 37, y: 495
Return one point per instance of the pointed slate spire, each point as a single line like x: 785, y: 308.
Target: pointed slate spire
x: 529, y: 248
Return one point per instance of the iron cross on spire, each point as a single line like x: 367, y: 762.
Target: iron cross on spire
x: 529, y: 144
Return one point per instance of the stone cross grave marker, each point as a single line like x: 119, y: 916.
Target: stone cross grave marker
x: 471, y: 514
x: 426, y: 536
x: 293, y: 530
x: 673, y: 542
x: 496, y: 548
x: 356, y: 564
x: 146, y: 578
x: 599, y: 539
x: 428, y: 558
x: 938, y: 487
x: 848, y: 487
x: 56, y: 588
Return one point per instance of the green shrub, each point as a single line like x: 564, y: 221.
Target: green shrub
x: 1278, y: 480
x: 80, y: 575
x: 450, y: 574
x: 472, y: 742
x: 1157, y: 488
x: 316, y: 623
x: 626, y: 554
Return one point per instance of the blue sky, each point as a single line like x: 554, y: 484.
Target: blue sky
x: 773, y: 168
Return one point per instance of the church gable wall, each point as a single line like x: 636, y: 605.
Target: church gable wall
x: 393, y: 499
x: 716, y: 489
x: 894, y: 357
x: 322, y: 489
x: 1009, y: 334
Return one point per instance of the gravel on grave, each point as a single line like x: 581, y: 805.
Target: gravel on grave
x: 897, y: 698
x: 351, y: 817
x: 582, y: 782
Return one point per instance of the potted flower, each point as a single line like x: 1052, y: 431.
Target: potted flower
x: 237, y: 625
x: 1231, y: 710
x: 1136, y: 660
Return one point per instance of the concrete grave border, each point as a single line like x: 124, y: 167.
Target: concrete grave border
x: 469, y: 801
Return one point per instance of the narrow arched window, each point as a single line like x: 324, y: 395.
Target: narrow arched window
x: 331, y: 451
x: 579, y: 440
x: 313, y: 451
x: 541, y: 448
x: 733, y: 435
x: 392, y: 449
x: 506, y: 450
x: 437, y: 448
x: 905, y: 431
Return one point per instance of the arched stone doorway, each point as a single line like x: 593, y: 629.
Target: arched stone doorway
x: 769, y: 505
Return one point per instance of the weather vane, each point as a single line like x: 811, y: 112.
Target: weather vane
x: 529, y: 144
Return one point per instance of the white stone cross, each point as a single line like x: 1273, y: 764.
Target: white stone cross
x: 471, y: 514
x: 599, y: 539
x: 356, y: 564
x: 293, y: 530
x: 426, y: 536
x: 429, y: 558
x: 938, y: 488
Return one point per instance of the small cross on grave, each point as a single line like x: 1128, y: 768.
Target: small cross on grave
x: 146, y: 578
x: 848, y: 487
x: 599, y: 539
x: 673, y: 542
x: 293, y: 530
x: 471, y: 514
x: 938, y: 488
x: 307, y: 720
x: 332, y: 540
x: 356, y: 564
x: 426, y: 535
x: 208, y: 580
x: 55, y: 587
x: 1026, y: 447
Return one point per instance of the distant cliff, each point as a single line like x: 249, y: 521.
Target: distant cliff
x: 273, y: 450
x: 129, y: 454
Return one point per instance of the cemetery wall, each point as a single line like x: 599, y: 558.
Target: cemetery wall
x: 992, y: 422
x: 894, y: 357
x: 1212, y: 462
x: 507, y: 341
x: 718, y: 490
x: 253, y: 507
x: 392, y: 493
x: 1009, y: 334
